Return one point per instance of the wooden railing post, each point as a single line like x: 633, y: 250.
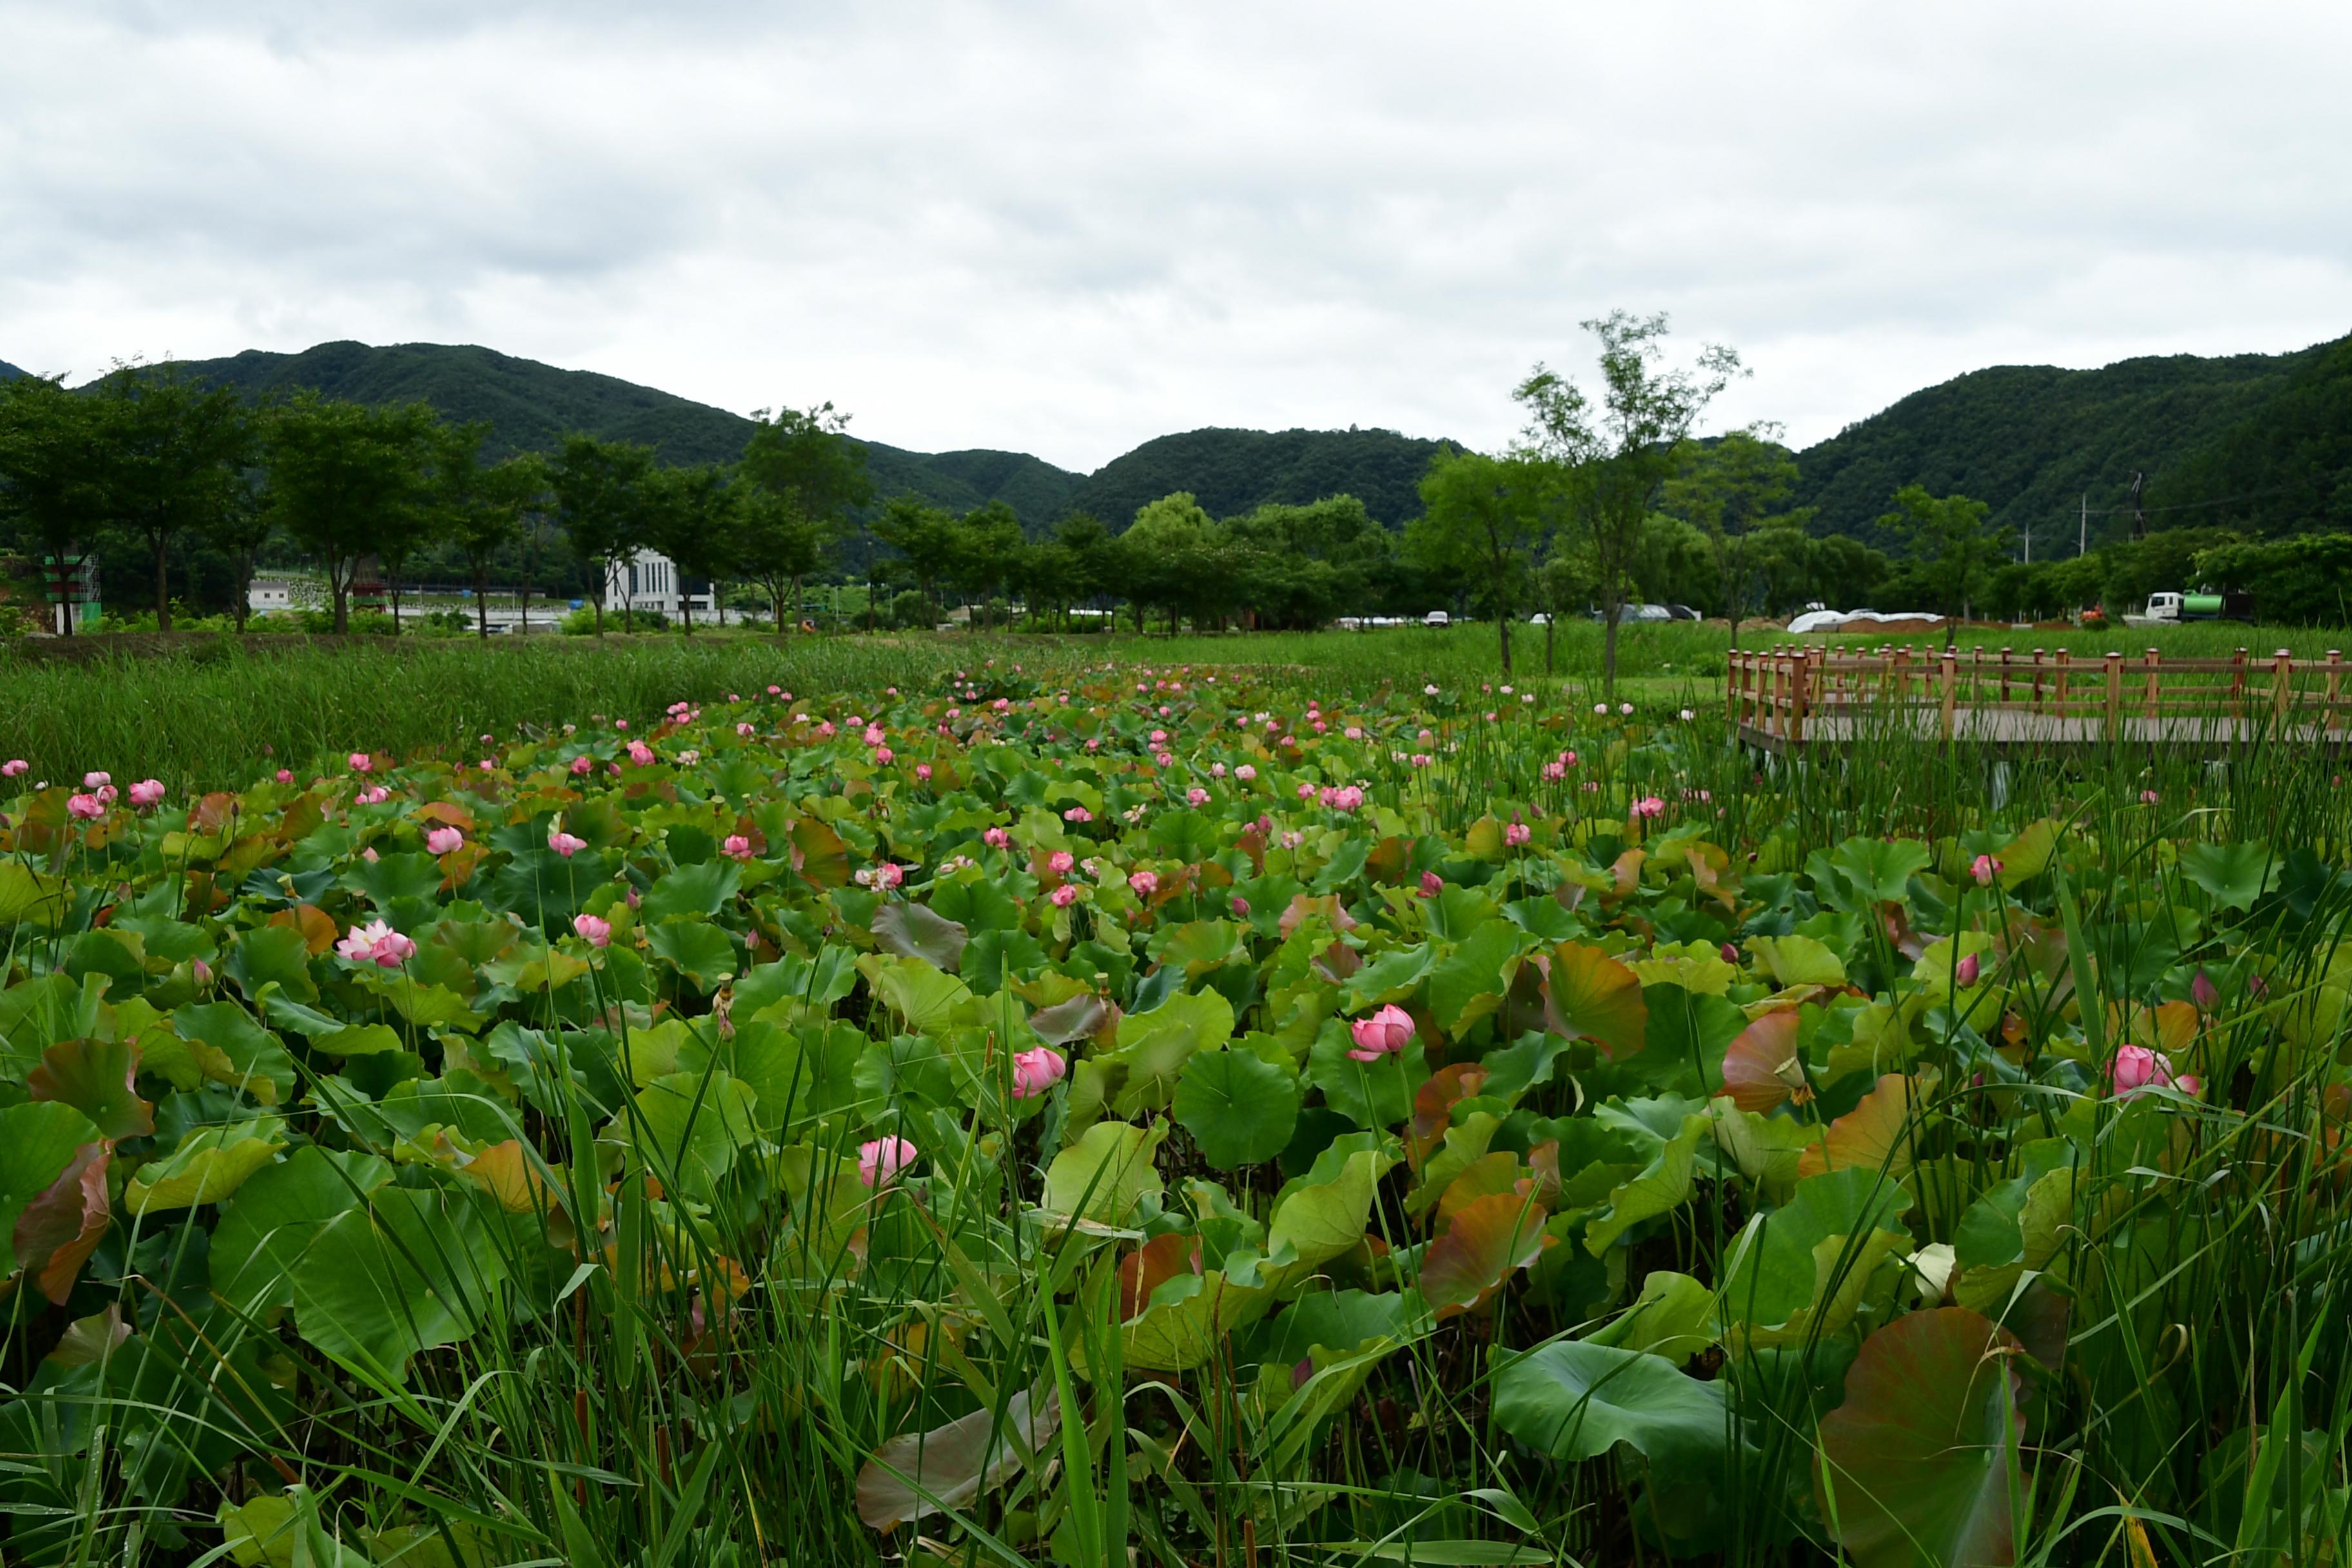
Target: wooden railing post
x: 1951, y: 691
x: 2328, y: 725
x: 2147, y: 701
x: 2282, y: 683
x: 2115, y: 696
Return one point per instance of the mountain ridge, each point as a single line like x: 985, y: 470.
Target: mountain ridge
x: 2032, y: 441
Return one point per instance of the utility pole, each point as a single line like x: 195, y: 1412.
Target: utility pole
x: 2082, y: 539
x: 2140, y: 515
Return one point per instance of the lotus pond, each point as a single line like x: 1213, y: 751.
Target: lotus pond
x: 1145, y: 1115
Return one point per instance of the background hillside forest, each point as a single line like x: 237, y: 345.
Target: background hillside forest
x: 425, y: 463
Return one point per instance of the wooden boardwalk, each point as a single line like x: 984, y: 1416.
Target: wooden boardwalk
x: 1789, y: 698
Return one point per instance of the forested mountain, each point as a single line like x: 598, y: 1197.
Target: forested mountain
x: 1233, y: 471
x: 8, y: 372
x: 2286, y: 468
x: 2032, y: 440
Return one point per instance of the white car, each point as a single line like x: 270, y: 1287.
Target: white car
x: 1817, y: 621
x: 1437, y: 618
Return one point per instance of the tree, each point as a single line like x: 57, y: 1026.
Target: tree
x: 599, y: 488
x: 987, y: 551
x: 1485, y: 515
x: 1303, y: 565
x: 481, y: 506
x: 57, y: 451
x: 806, y: 475
x: 344, y: 480
x: 928, y: 538
x: 178, y: 450
x: 1728, y: 488
x: 1953, y: 554
x: 239, y: 530
x: 1165, y: 548
x: 1623, y: 449
x: 691, y: 518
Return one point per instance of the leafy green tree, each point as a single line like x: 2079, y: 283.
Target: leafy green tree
x: 57, y: 452
x: 1485, y: 516
x: 692, y: 519
x: 929, y: 540
x: 806, y: 476
x: 345, y: 481
x: 1953, y: 552
x: 601, y: 505
x: 1728, y: 488
x: 1303, y: 565
x: 178, y: 454
x: 1166, y: 547
x: 989, y: 549
x: 482, y: 505
x: 2305, y: 579
x: 1624, y: 449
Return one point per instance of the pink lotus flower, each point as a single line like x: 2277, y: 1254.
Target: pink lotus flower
x: 1196, y: 795
x: 923, y: 772
x: 1307, y: 792
x: 996, y: 838
x: 2149, y: 797
x: 745, y: 728
x: 374, y: 795
x: 1985, y: 869
x: 1145, y: 883
x: 96, y: 780
x: 1060, y: 861
x: 376, y: 943
x: 582, y: 765
x: 1077, y: 813
x: 361, y: 762
x: 445, y: 840
x: 883, y: 756
x: 1432, y: 884
x: 1036, y: 1072
x: 285, y: 776
x: 1385, y: 1032
x: 14, y: 767
x: 147, y: 793
x: 736, y: 847
x: 825, y: 731
x: 2137, y: 1068
x: 879, y: 1161
x: 1064, y: 895
x: 874, y: 736
x: 598, y: 932
x: 88, y: 807
x: 1516, y: 834
x: 1649, y: 805
x: 566, y: 844
x: 1245, y: 773
x: 1553, y: 772
x: 889, y: 874
x: 641, y: 754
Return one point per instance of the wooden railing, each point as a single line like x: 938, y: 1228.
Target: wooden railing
x: 1787, y: 695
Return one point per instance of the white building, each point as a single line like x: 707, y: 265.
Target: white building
x: 650, y: 581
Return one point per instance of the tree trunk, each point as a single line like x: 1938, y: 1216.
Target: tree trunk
x: 685, y: 603
x: 157, y: 543
x: 1503, y: 630
x: 1609, y: 648
x: 338, y: 584
x: 1551, y: 624
x: 482, y: 600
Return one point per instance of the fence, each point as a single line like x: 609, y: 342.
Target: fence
x: 1789, y: 696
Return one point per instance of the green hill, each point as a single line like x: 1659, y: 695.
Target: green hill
x: 2286, y: 468
x: 1234, y: 471
x: 2034, y: 439
x: 9, y: 372
x: 529, y: 406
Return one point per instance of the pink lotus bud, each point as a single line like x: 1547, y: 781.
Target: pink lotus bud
x: 445, y: 840
x: 566, y: 844
x: 1432, y: 884
x: 879, y: 1161
x: 1240, y: 908
x: 996, y: 838
x: 285, y: 776
x: 202, y: 972
x: 2135, y: 1068
x: 2203, y: 992
x: 1385, y: 1032
x: 598, y: 932
x: 14, y: 767
x: 736, y: 847
x: 1730, y: 953
x: 1036, y: 1072
x: 147, y: 793
x: 1965, y: 972
x: 641, y: 754
x: 1985, y: 869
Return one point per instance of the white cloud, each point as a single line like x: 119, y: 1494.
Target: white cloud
x: 1067, y: 228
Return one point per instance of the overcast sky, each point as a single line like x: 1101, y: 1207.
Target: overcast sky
x: 1066, y: 228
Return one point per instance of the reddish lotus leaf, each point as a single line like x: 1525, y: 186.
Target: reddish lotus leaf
x: 96, y: 1077
x: 1916, y: 1464
x: 448, y: 813
x: 1627, y: 870
x: 1876, y: 1135
x: 59, y: 1229
x: 819, y: 854
x: 1434, y: 1103
x: 1329, y: 906
x: 1483, y: 1177
x: 213, y: 812
x: 316, y: 926
x: 1152, y: 1264
x: 1592, y: 997
x: 1490, y: 1239
x: 1756, y: 1063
